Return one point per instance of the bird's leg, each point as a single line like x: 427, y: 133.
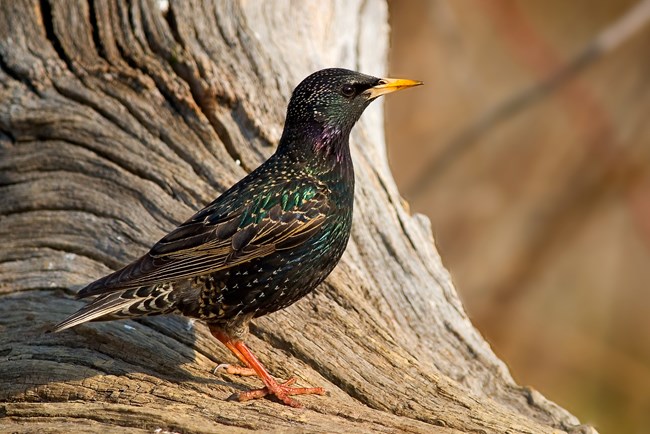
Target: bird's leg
x: 245, y: 370
x: 279, y: 390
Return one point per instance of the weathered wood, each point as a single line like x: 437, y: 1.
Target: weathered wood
x: 116, y: 122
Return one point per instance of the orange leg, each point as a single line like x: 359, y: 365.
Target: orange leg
x: 232, y: 369
x: 282, y: 391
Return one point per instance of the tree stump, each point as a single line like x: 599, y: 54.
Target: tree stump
x: 118, y: 120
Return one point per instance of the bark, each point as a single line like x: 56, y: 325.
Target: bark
x: 117, y: 121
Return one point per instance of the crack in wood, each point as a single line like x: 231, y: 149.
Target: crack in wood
x: 48, y: 24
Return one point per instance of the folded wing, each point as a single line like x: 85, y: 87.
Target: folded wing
x: 222, y: 236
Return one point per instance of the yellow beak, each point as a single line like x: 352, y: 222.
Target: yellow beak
x: 388, y: 85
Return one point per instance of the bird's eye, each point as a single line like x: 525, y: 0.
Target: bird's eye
x: 348, y: 90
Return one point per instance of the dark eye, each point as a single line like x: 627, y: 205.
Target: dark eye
x: 348, y: 90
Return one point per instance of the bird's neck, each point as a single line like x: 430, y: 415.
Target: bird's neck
x: 320, y: 146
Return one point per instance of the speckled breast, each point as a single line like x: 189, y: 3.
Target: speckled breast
x: 273, y: 282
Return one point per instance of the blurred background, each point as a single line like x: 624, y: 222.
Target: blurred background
x: 529, y: 149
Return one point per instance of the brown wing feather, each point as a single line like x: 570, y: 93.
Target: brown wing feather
x: 201, y: 246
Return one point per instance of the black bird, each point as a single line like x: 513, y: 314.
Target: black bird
x: 263, y: 244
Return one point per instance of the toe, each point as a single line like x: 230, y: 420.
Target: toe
x: 234, y: 370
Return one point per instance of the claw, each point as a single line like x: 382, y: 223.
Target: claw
x: 234, y: 370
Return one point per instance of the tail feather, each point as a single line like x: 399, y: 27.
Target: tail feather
x: 123, y: 304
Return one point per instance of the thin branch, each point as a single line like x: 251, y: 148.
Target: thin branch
x: 606, y: 41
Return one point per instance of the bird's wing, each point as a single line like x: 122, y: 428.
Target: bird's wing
x: 213, y: 240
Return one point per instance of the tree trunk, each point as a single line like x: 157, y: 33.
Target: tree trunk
x: 117, y: 121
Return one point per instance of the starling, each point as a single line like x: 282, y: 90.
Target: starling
x: 263, y: 244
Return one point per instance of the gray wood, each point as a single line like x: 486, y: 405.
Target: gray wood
x: 116, y: 123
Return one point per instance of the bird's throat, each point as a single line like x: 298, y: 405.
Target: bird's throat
x: 321, y: 145
x: 332, y: 143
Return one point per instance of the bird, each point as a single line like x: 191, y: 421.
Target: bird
x: 263, y: 244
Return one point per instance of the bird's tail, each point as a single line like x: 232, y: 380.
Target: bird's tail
x: 128, y: 303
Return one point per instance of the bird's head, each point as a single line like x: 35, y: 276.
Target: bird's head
x: 325, y: 106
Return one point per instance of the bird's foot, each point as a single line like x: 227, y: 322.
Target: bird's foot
x: 282, y: 391
x: 234, y: 370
